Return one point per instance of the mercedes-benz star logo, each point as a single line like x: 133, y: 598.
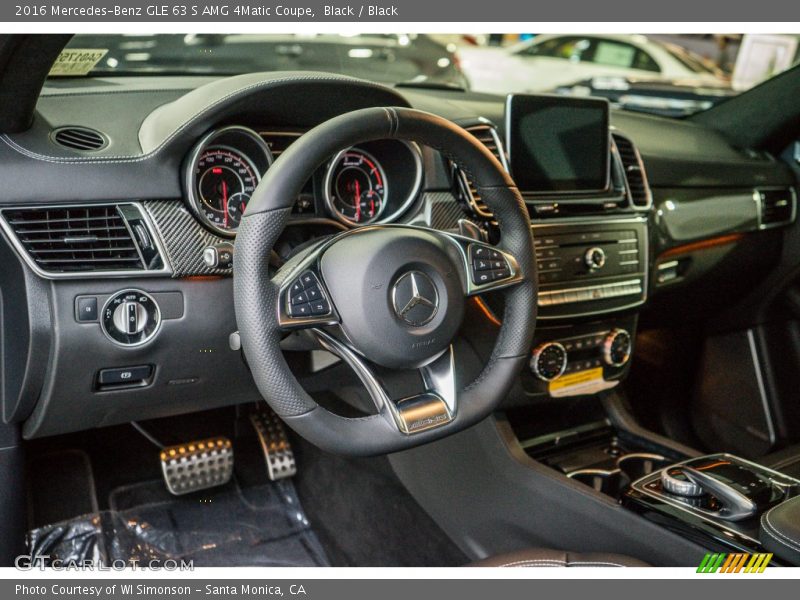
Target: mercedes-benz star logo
x: 415, y: 298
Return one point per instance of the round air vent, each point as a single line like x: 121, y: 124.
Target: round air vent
x: 79, y: 138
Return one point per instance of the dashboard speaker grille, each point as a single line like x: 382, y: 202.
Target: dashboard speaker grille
x: 75, y: 239
x: 79, y: 138
x: 634, y: 172
x: 487, y: 135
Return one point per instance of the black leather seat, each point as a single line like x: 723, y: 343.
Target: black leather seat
x: 539, y: 557
x: 786, y: 461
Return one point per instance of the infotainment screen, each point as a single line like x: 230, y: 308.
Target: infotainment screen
x: 558, y: 144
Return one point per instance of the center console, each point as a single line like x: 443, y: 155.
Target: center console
x: 717, y: 497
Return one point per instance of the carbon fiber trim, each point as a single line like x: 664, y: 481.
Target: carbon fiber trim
x: 183, y: 237
x: 444, y: 211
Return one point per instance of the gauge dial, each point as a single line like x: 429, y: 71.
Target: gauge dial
x: 225, y: 180
x: 355, y: 187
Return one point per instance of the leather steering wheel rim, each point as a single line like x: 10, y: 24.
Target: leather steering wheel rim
x: 257, y: 296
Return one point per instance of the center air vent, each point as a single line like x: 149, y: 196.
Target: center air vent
x: 79, y: 138
x: 634, y: 173
x: 72, y: 240
x: 487, y: 135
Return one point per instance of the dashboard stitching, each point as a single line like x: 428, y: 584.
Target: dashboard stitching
x: 143, y: 157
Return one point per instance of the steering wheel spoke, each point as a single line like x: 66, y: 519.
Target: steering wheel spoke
x: 433, y: 407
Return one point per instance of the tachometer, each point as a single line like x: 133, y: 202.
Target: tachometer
x: 355, y: 187
x: 222, y: 173
x: 225, y: 181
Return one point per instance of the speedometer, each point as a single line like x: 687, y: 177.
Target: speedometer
x: 355, y: 187
x: 225, y: 181
x: 222, y: 173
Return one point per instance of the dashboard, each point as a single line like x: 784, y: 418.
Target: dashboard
x: 116, y: 282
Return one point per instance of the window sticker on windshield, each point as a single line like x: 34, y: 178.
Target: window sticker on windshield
x: 76, y: 61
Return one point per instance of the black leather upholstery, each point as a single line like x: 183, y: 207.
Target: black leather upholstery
x: 539, y: 557
x: 780, y: 530
x: 786, y: 461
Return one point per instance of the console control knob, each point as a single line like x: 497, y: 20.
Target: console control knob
x: 595, y: 258
x: 675, y: 481
x: 617, y: 348
x: 130, y: 317
x: 549, y: 361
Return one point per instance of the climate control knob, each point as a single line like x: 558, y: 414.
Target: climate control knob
x: 595, y: 258
x: 549, y: 361
x: 617, y: 348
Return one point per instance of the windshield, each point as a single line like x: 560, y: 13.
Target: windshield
x: 672, y: 75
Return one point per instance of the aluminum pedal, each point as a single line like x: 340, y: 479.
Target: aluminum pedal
x: 275, y: 445
x: 197, y: 465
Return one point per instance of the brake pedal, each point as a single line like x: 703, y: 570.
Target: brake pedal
x: 197, y: 465
x: 275, y: 444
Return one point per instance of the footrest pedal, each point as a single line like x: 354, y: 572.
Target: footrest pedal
x: 275, y: 444
x: 197, y: 465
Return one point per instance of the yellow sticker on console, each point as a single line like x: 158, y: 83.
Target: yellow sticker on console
x: 582, y: 382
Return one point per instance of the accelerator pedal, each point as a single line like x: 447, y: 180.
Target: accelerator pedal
x: 197, y: 465
x: 275, y: 444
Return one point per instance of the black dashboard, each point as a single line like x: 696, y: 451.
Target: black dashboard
x: 112, y: 310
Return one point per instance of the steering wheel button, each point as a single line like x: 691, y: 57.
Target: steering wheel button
x: 301, y: 310
x: 498, y: 274
x: 308, y: 279
x: 296, y: 288
x: 482, y: 277
x: 480, y: 252
x: 313, y: 293
x: 320, y: 307
x: 300, y: 298
x: 482, y: 265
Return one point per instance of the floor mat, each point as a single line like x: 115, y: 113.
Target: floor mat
x: 255, y: 526
x: 365, y: 517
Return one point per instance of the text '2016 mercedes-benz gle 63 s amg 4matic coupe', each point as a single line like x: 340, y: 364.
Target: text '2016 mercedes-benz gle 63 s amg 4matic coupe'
x: 267, y: 312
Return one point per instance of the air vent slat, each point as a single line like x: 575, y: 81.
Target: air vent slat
x: 73, y: 239
x: 79, y: 138
x: 487, y: 135
x: 777, y: 207
x: 634, y: 174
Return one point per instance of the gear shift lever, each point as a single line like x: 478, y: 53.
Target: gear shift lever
x: 691, y: 483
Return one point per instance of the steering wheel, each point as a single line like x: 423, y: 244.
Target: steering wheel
x: 388, y: 295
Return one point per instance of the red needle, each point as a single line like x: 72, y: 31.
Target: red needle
x: 225, y: 201
x: 358, y: 201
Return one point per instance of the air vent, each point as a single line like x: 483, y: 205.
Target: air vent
x: 641, y: 198
x: 278, y: 141
x: 79, y: 138
x: 76, y: 239
x: 487, y: 135
x: 776, y: 207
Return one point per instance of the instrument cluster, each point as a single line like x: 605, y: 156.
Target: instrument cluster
x: 374, y: 182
